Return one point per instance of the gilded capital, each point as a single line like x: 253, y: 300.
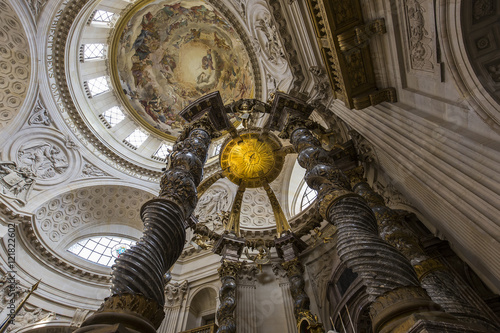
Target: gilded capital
x: 356, y: 175
x: 136, y: 304
x: 229, y: 269
x: 428, y: 266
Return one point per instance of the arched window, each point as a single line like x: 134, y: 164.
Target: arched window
x: 101, y: 250
x: 308, y: 197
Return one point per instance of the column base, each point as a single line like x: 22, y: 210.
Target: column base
x: 124, y: 313
x: 410, y: 310
x: 104, y: 323
x: 434, y: 323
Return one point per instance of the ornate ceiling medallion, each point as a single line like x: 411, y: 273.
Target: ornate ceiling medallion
x: 170, y: 53
x: 252, y: 159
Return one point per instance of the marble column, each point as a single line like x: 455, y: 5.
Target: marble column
x: 434, y: 277
x: 138, y: 277
x: 397, y: 299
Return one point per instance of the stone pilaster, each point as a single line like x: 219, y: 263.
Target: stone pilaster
x: 435, y: 278
x: 246, y: 314
x: 174, y: 295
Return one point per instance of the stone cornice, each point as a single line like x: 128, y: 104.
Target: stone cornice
x: 10, y: 214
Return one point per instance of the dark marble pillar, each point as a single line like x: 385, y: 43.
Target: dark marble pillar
x: 434, y: 277
x: 229, y: 247
x: 138, y: 276
x: 398, y: 301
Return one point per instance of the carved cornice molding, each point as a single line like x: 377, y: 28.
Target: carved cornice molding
x: 10, y: 214
x: 343, y: 39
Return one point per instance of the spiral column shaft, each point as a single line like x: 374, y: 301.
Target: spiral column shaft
x: 391, y: 282
x: 228, y: 272
x: 434, y: 276
x: 138, y: 276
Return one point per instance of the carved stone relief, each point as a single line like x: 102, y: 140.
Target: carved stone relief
x: 16, y: 182
x: 212, y: 207
x: 319, y: 272
x: 85, y: 206
x: 91, y: 171
x: 174, y: 293
x: 419, y: 35
x: 50, y: 157
x: 29, y: 316
x: 36, y: 7
x: 6, y: 292
x: 321, y: 91
x: 267, y: 42
x: 240, y: 6
x: 14, y: 64
x: 39, y: 115
x: 268, y: 38
x: 44, y: 160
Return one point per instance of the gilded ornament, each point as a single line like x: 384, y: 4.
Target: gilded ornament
x: 428, y: 266
x: 251, y: 159
x: 134, y: 304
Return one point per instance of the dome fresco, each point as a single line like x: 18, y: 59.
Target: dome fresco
x: 171, y: 53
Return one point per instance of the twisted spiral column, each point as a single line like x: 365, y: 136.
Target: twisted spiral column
x: 227, y: 296
x: 434, y: 276
x: 391, y: 282
x: 295, y: 271
x: 138, y: 276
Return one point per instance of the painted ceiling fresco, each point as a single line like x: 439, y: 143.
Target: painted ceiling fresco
x: 172, y: 53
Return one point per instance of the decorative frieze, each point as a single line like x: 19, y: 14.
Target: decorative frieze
x: 91, y: 171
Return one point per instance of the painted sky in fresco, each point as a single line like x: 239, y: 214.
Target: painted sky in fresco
x: 172, y: 53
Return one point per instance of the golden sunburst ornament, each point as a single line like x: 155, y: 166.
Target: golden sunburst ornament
x: 251, y: 159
